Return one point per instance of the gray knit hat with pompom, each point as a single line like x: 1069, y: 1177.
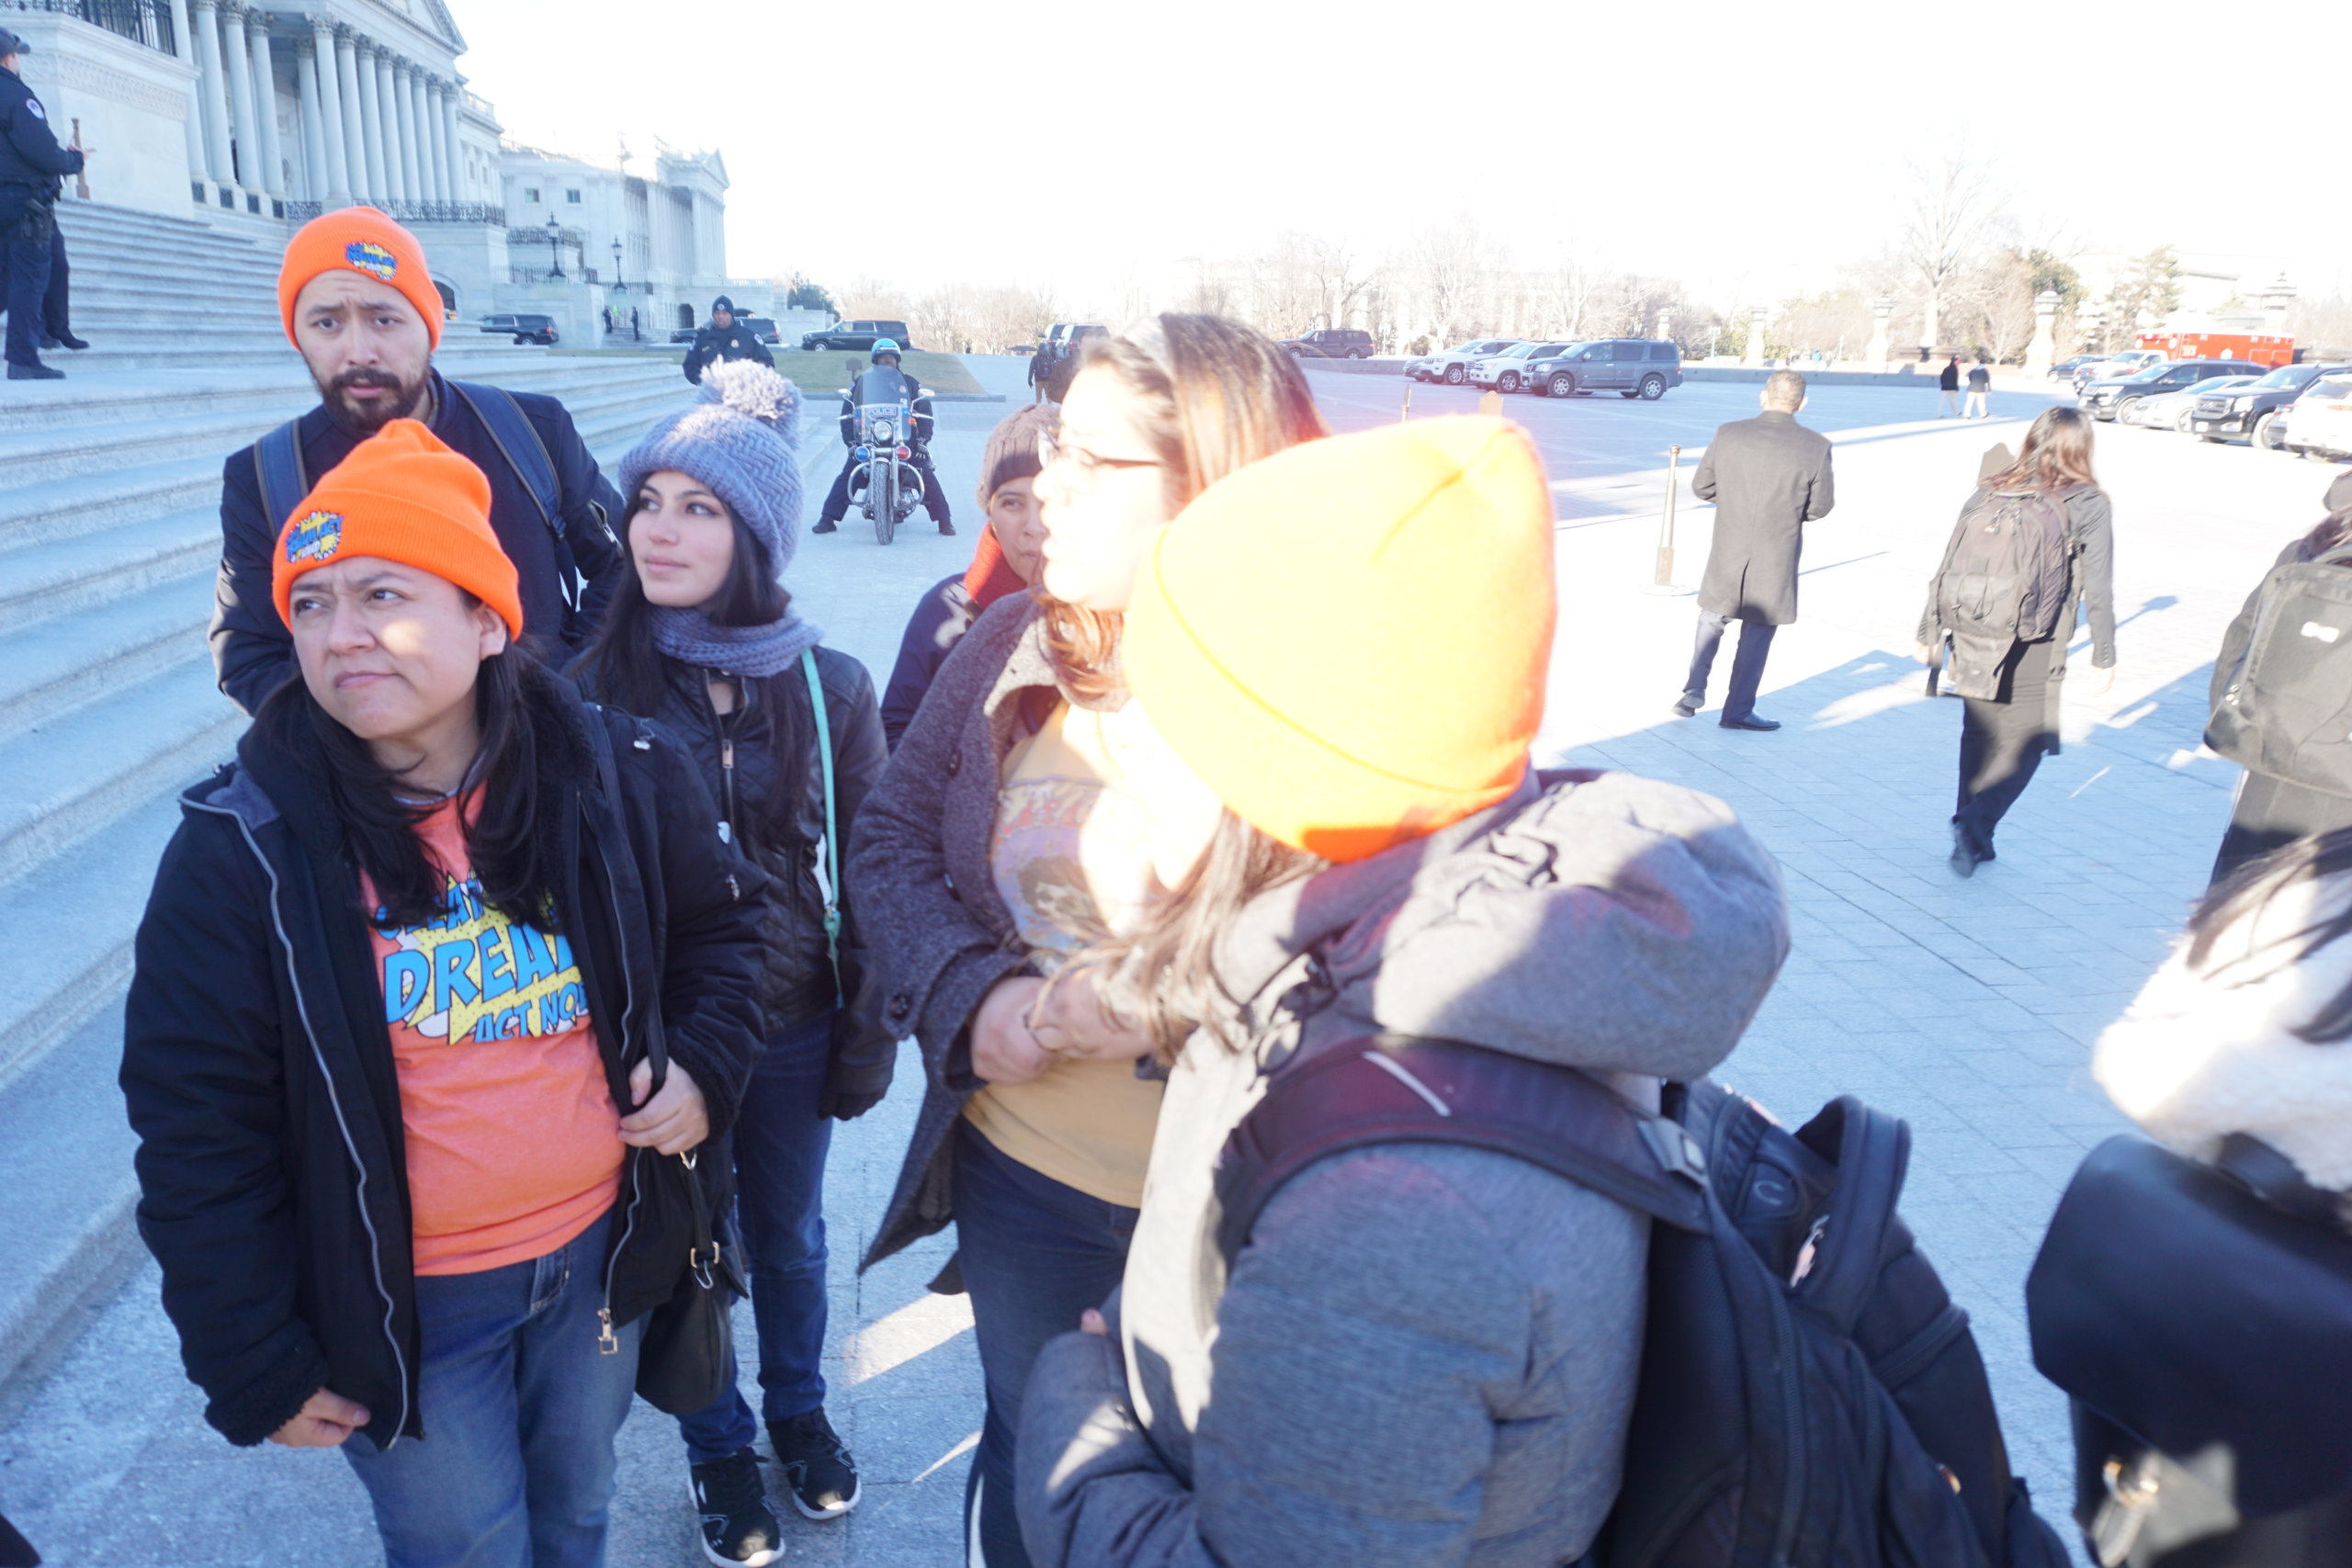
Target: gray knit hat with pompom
x: 741, y: 439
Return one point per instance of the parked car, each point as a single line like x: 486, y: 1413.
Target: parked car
x: 2259, y: 413
x: 1332, y: 343
x: 2177, y: 410
x: 1632, y: 368
x: 2319, y: 424
x: 2109, y: 399
x: 522, y: 328
x: 2114, y: 367
x: 1451, y: 366
x: 761, y: 327
x: 858, y: 336
x: 2064, y: 369
x: 1507, y: 371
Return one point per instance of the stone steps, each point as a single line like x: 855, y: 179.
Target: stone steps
x: 109, y: 537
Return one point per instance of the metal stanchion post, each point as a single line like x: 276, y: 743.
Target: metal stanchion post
x: 1407, y: 412
x: 1490, y: 404
x: 1666, y: 530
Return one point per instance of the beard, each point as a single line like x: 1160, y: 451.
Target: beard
x: 367, y: 418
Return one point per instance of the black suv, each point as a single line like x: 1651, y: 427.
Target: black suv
x: 1630, y: 368
x: 1331, y: 342
x: 856, y: 335
x: 2108, y: 400
x: 525, y: 329
x: 2258, y: 414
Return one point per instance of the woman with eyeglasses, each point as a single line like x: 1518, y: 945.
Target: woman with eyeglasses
x: 1003, y: 837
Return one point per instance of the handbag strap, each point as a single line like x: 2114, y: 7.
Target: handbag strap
x: 830, y: 871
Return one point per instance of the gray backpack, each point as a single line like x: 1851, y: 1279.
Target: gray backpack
x: 2005, y: 580
x: 2286, y: 709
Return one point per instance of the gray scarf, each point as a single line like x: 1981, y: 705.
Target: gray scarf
x: 756, y: 651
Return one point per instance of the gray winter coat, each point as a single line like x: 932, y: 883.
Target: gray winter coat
x: 1425, y: 1355
x: 1769, y: 476
x: 918, y: 872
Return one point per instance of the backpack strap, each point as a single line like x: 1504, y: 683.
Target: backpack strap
x: 828, y: 870
x: 1872, y: 1152
x: 517, y: 440
x: 277, y: 470
x: 1394, y: 1088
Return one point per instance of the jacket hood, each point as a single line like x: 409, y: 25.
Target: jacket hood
x: 1595, y: 920
x: 2212, y: 1050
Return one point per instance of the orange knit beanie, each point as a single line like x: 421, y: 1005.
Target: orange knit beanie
x: 360, y: 240
x: 401, y: 496
x: 1348, y: 640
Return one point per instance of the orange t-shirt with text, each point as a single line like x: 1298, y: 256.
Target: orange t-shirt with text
x: 513, y: 1143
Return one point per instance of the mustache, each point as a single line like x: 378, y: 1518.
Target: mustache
x: 366, y: 377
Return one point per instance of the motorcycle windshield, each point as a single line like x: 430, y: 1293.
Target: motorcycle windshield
x: 884, y: 386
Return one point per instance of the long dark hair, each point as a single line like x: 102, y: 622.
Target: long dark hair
x: 512, y: 851
x: 2057, y: 453
x: 622, y: 667
x: 2242, y: 897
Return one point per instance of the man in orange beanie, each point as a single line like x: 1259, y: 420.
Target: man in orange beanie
x: 359, y: 304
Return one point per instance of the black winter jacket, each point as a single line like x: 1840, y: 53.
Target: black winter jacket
x: 261, y: 1082
x: 253, y: 653
x: 773, y: 779
x: 942, y: 616
x: 714, y: 344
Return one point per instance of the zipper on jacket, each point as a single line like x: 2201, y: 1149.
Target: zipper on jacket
x: 607, y: 1341
x: 727, y: 831
x: 334, y: 1099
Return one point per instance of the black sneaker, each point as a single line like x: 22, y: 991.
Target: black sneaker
x: 947, y: 530
x: 738, y: 1526
x: 816, y: 1464
x: 825, y: 525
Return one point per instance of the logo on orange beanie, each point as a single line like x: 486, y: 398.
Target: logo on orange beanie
x: 372, y: 259
x: 401, y: 496
x: 1348, y: 640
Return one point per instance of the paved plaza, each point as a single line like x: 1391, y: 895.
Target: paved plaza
x: 1967, y: 1008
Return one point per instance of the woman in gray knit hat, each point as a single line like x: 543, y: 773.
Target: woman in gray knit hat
x: 703, y: 636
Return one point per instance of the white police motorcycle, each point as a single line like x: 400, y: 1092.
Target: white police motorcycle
x: 885, y: 485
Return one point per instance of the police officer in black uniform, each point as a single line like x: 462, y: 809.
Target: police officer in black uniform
x: 722, y: 339
x: 32, y: 253
x: 934, y: 499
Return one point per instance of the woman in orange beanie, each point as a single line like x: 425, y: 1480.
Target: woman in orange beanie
x: 1002, y: 837
x: 1413, y: 1352
x: 437, y: 985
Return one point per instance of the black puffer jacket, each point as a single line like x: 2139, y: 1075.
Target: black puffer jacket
x: 774, y: 797
x: 272, y: 1160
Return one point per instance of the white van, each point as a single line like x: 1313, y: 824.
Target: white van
x: 2319, y: 424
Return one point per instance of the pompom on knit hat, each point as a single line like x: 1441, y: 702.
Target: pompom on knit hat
x: 402, y: 496
x: 359, y: 239
x: 1348, y: 640
x: 741, y: 439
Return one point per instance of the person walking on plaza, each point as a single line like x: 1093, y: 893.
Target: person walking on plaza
x: 635, y: 335
x: 1769, y: 476
x: 724, y: 340
x: 1011, y: 533
x: 1004, y: 837
x: 33, y: 274
x: 884, y: 356
x: 1980, y: 392
x: 360, y: 304
x: 1415, y: 1354
x: 703, y: 638
x: 2053, y: 530
x: 437, y: 984
x: 1948, y: 390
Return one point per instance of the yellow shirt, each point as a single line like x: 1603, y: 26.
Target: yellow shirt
x: 1073, y: 865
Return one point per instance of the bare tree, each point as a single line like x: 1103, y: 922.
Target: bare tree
x: 1453, y: 260
x: 873, y: 297
x: 1342, y: 274
x: 1946, y: 213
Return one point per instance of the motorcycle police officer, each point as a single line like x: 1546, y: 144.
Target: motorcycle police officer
x: 723, y: 339
x: 934, y: 499
x: 32, y: 253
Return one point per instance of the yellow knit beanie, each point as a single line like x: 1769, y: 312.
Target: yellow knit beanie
x: 1348, y: 640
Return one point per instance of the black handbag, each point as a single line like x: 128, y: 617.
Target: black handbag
x: 687, y: 1358
x: 2200, y: 1316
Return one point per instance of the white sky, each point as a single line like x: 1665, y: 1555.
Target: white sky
x: 1749, y: 149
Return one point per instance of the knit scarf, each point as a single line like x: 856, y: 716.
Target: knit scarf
x: 991, y: 578
x: 756, y: 651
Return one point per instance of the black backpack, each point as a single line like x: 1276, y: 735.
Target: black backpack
x: 2286, y: 709
x: 2005, y: 579
x: 1809, y: 1398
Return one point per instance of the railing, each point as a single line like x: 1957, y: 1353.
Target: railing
x: 516, y: 274
x: 145, y: 22
x: 412, y: 211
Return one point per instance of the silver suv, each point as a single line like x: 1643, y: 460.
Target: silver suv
x: 1451, y: 366
x: 1507, y: 371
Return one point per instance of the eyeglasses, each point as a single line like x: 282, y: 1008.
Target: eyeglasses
x: 1088, y: 466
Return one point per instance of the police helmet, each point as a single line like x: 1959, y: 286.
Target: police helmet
x: 882, y: 346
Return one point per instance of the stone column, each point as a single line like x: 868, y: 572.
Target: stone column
x: 404, y: 121
x: 273, y: 155
x: 388, y: 115
x: 436, y: 132
x: 371, y: 123
x: 2045, y: 347
x: 241, y: 97
x: 1881, y: 309
x: 184, y: 38
x: 427, y: 179
x: 212, y: 88
x: 354, y: 135
x: 450, y: 133
x: 314, y: 122
x: 1927, y: 330
x: 1758, y: 319
x: 335, y: 186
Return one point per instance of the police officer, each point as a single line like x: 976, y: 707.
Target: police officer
x: 32, y: 253
x: 934, y: 499
x: 724, y: 340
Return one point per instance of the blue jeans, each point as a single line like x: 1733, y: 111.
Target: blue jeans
x: 779, y: 1145
x: 1035, y: 1254
x: 519, y: 1409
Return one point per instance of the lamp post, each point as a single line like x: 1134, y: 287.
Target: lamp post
x: 555, y: 255
x: 618, y: 284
